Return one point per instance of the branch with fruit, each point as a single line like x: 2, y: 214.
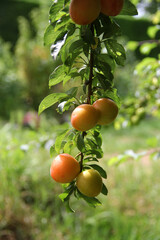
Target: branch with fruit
x: 81, y: 29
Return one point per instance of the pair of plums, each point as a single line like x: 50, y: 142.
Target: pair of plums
x: 86, y: 116
x: 84, y: 12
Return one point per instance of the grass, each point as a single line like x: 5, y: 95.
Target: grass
x: 31, y: 210
x: 135, y: 137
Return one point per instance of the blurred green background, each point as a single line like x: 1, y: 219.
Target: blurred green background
x: 29, y: 205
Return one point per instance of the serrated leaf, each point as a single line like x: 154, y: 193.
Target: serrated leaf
x: 105, y: 84
x: 59, y: 140
x: 86, y: 49
x: 109, y: 27
x: 55, y: 8
x: 98, y: 137
x: 98, y: 27
x: 101, y: 171
x: 70, y: 51
x: 68, y: 207
x: 65, y: 105
x: 56, y: 31
x: 105, y: 58
x: 52, y: 151
x: 68, y: 146
x: 97, y: 152
x: 128, y: 9
x: 116, y: 51
x: 63, y: 196
x: 58, y: 76
x: 104, y: 190
x: 87, y: 35
x: 72, y: 91
x: 92, y: 201
x: 112, y: 94
x: 105, y: 68
x: 50, y: 34
x: 80, y: 143
x: 89, y: 159
x: 50, y: 100
x: 78, y: 44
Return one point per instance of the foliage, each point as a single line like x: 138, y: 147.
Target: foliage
x: 32, y: 60
x: 145, y: 101
x: 82, y: 60
x: 23, y: 70
x: 10, y: 88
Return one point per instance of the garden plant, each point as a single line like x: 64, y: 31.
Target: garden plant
x: 84, y: 35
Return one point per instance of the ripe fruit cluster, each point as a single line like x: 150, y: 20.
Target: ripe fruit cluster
x: 86, y: 116
x: 65, y: 168
x: 84, y: 12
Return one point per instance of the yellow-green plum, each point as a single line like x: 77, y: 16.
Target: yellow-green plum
x: 89, y: 183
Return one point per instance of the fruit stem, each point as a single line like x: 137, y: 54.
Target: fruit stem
x: 81, y: 162
x: 91, y: 64
x: 81, y: 154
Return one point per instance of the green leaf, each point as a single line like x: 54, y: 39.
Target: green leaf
x: 68, y: 146
x: 68, y: 207
x: 104, y: 190
x: 80, y: 143
x: 128, y: 9
x: 106, y: 58
x: 55, y: 8
x: 52, y: 151
x: 70, y: 51
x: 146, y: 48
x: 98, y: 27
x: 109, y: 27
x: 72, y: 91
x: 92, y: 201
x: 98, y: 140
x: 104, y: 68
x: 101, y: 171
x: 89, y: 159
x: 65, y: 105
x: 58, y: 76
x: 56, y: 31
x: 65, y: 196
x: 97, y: 152
x: 152, y: 31
x: 50, y: 100
x: 73, y: 51
x: 105, y: 84
x: 112, y: 94
x: 51, y: 36
x: 78, y: 44
x: 59, y: 140
x: 86, y: 49
x: 116, y: 51
x: 87, y: 35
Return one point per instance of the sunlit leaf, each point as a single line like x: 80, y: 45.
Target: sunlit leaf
x: 101, y: 171
x: 50, y: 100
x: 128, y: 9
